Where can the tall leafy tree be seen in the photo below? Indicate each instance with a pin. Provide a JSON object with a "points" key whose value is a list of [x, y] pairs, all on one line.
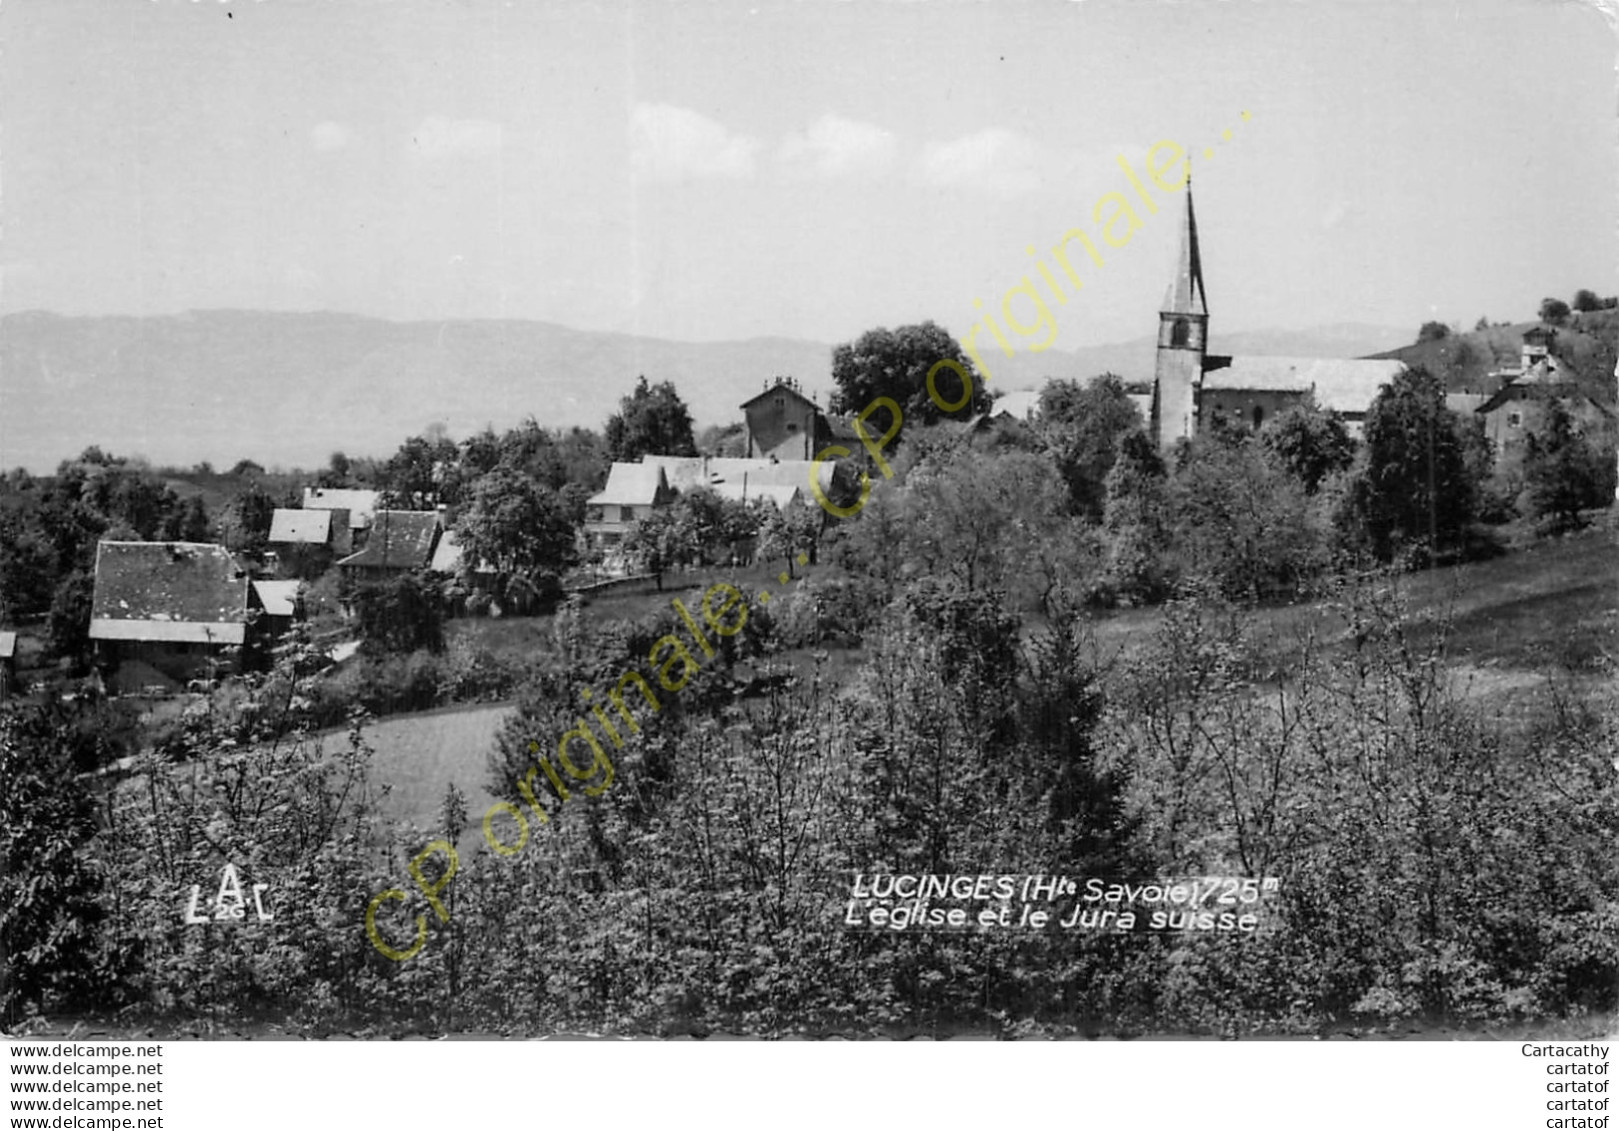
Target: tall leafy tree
{"points": [[895, 364], [1563, 471], [1417, 486], [517, 525], [652, 420], [1308, 443], [1082, 425]]}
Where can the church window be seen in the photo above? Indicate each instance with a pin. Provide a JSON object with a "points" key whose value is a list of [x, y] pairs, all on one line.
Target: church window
{"points": [[1259, 416], [1178, 332], [1514, 419]]}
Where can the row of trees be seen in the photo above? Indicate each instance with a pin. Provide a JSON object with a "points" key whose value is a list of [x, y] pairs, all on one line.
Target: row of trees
{"points": [[1433, 864]]}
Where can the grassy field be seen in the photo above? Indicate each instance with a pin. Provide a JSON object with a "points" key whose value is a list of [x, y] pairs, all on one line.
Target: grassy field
{"points": [[1549, 608], [419, 756]]}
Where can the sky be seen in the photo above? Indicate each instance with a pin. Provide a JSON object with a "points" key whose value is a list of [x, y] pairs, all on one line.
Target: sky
{"points": [[813, 169]]}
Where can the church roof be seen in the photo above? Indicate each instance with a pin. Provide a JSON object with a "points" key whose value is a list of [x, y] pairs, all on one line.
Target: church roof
{"points": [[1342, 385], [1185, 294]]}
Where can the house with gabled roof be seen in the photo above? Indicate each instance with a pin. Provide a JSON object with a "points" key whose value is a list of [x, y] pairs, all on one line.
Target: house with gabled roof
{"points": [[397, 542], [783, 423], [633, 491], [360, 507], [166, 612]]}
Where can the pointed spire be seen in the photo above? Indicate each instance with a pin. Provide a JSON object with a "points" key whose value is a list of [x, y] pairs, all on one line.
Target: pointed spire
{"points": [[1185, 294]]}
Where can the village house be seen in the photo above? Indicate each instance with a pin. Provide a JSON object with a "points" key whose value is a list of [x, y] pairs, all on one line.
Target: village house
{"points": [[281, 605], [633, 491], [396, 542], [167, 612], [360, 506], [1518, 409], [305, 542], [784, 424]]}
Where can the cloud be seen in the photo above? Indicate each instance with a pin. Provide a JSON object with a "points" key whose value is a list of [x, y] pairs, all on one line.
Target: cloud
{"points": [[671, 143], [995, 162], [837, 147], [328, 137], [439, 137]]}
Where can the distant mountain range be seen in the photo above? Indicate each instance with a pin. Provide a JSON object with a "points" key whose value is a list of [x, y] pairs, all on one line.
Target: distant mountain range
{"points": [[289, 389]]}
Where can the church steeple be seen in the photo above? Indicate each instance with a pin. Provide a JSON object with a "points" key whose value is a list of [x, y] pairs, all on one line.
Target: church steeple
{"points": [[1183, 324], [1185, 294]]}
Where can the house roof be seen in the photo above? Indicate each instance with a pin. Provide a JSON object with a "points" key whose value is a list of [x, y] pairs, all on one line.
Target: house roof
{"points": [[781, 388], [313, 527], [279, 598], [8, 645], [361, 505], [398, 540], [170, 591], [1343, 385], [631, 484], [687, 472], [447, 554], [781, 495], [1021, 405]]}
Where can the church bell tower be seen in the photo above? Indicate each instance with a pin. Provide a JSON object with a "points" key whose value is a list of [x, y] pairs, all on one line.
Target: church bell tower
{"points": [[1183, 324]]}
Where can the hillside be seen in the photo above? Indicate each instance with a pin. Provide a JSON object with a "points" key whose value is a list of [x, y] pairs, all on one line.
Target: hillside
{"points": [[287, 389], [1587, 343]]}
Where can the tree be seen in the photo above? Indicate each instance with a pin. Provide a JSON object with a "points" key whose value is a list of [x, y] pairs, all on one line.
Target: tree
{"points": [[190, 523], [786, 533], [1563, 471], [1082, 425], [1136, 521], [659, 543], [1433, 332], [422, 472], [1586, 301], [48, 910], [1416, 488], [246, 524], [895, 364], [1240, 520], [1308, 443], [1553, 311], [520, 527], [652, 420], [402, 614]]}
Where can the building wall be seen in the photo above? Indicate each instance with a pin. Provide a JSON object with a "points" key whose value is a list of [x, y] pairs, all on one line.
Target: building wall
{"points": [[783, 426], [1244, 408], [609, 523], [1179, 371]]}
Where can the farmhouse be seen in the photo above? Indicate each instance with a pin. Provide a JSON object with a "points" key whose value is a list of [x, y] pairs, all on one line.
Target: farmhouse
{"points": [[166, 612], [1193, 388], [396, 542], [1519, 408]]}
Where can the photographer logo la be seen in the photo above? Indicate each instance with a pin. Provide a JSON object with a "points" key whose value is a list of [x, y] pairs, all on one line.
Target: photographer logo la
{"points": [[230, 905]]}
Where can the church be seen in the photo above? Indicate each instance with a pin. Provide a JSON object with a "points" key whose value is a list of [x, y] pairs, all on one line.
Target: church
{"points": [[1193, 388]]}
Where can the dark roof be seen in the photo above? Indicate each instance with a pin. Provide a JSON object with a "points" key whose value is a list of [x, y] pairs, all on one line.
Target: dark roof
{"points": [[781, 387], [1185, 294], [176, 591], [398, 540]]}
